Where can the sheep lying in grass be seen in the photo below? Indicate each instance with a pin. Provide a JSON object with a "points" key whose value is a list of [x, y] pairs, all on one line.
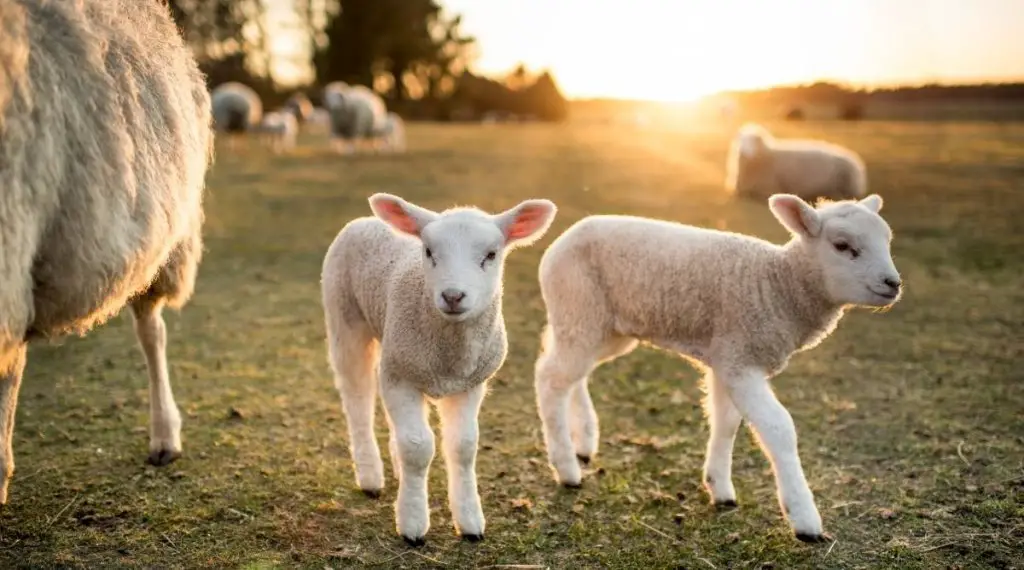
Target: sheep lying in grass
{"points": [[237, 109], [736, 306], [419, 302], [760, 165], [280, 129], [103, 158], [357, 114]]}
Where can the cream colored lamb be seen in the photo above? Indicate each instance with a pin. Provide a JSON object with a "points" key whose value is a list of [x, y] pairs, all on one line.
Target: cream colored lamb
{"points": [[760, 165], [415, 296], [736, 306]]}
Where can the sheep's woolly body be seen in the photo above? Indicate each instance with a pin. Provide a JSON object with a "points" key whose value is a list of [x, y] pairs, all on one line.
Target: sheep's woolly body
{"points": [[356, 111], [372, 275], [236, 107], [102, 162], [760, 165]]}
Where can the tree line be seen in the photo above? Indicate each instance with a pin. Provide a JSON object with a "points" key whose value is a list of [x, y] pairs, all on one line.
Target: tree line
{"points": [[412, 52]]}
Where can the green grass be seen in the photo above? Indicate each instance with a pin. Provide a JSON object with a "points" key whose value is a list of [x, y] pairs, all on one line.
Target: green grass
{"points": [[911, 422]]}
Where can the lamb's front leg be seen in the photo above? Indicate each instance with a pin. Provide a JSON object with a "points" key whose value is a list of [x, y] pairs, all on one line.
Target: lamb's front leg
{"points": [[584, 423], [459, 439], [776, 433], [407, 413], [164, 418], [724, 421]]}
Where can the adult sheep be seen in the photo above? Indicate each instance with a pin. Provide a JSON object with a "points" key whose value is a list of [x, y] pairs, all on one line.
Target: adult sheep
{"points": [[103, 158], [237, 109], [357, 114], [760, 165]]}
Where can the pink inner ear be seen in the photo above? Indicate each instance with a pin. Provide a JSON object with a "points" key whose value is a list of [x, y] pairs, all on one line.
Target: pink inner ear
{"points": [[395, 215], [528, 221]]}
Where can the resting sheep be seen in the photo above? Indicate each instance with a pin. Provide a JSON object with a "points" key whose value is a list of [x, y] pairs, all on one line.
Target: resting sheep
{"points": [[103, 158], [280, 129], [759, 165], [736, 306], [416, 297], [237, 109], [357, 114]]}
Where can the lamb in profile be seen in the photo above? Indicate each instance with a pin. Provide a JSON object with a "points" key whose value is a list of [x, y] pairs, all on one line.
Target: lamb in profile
{"points": [[237, 109], [416, 297], [357, 115], [736, 306], [760, 165], [103, 159], [280, 129]]}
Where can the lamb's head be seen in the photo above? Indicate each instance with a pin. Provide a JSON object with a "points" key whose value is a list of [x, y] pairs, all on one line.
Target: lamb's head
{"points": [[464, 249], [848, 243]]}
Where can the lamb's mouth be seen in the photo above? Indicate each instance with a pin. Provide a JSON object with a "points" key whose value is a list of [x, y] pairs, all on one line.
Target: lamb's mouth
{"points": [[889, 296]]}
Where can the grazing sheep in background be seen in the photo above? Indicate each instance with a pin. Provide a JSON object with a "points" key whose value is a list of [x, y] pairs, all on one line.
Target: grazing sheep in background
{"points": [[237, 109], [417, 298], [300, 106], [103, 158], [760, 165], [280, 129], [736, 306], [357, 114], [392, 134]]}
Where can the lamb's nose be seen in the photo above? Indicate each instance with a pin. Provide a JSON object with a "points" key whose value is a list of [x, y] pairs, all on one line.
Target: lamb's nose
{"points": [[894, 284], [452, 297]]}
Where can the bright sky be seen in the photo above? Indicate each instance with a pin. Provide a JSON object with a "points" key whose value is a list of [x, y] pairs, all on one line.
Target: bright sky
{"points": [[682, 49]]}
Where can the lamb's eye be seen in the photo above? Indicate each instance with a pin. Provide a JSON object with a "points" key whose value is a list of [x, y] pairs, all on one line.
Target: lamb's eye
{"points": [[429, 253], [841, 246], [491, 255]]}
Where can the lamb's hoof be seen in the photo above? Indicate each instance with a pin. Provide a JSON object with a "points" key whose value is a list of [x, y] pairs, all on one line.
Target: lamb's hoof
{"points": [[162, 457], [372, 493], [726, 505], [814, 538], [568, 485], [584, 459], [472, 537], [414, 542]]}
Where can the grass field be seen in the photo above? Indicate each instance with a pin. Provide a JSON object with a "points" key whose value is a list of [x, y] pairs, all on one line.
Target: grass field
{"points": [[911, 422]]}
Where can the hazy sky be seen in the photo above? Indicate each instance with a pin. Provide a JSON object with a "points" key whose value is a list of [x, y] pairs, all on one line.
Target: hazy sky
{"points": [[678, 49]]}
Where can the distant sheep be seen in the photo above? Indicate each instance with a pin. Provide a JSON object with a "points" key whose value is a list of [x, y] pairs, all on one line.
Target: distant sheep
{"points": [[357, 115], [760, 165], [300, 106], [392, 135], [237, 109], [415, 296], [103, 158], [736, 306], [280, 129]]}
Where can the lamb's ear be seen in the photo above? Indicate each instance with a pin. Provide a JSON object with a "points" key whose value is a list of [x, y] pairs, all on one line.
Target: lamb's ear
{"points": [[798, 216], [527, 222], [401, 215], [873, 203]]}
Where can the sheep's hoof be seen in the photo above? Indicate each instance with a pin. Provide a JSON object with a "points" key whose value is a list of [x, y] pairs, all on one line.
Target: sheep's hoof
{"points": [[725, 505], [584, 459], [814, 538], [472, 537], [414, 542], [162, 457], [372, 493]]}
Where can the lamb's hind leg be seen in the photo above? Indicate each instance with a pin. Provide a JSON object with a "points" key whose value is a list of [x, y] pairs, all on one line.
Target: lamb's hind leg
{"points": [[12, 366], [164, 418], [354, 354], [584, 425]]}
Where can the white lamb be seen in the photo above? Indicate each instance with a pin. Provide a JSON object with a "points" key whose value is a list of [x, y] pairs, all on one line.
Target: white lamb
{"points": [[103, 159], [357, 115], [417, 299], [736, 306], [760, 165], [280, 129], [237, 109]]}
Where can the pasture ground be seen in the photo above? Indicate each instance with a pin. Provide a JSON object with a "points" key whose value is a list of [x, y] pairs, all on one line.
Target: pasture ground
{"points": [[911, 422]]}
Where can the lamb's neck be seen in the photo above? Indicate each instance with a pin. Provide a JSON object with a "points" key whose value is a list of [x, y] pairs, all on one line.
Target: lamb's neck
{"points": [[800, 289]]}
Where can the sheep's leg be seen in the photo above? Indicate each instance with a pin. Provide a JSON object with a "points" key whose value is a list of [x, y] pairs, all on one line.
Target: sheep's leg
{"points": [[12, 366], [354, 355], [407, 410], [164, 418], [459, 438], [776, 433], [724, 421]]}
